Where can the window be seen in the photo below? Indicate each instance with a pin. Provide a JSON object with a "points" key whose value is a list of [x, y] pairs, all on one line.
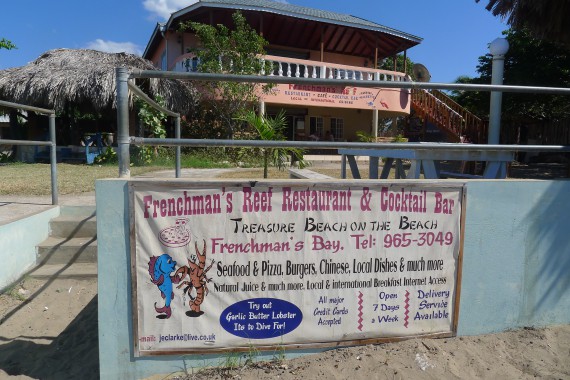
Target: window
{"points": [[192, 64], [316, 126], [337, 127]]}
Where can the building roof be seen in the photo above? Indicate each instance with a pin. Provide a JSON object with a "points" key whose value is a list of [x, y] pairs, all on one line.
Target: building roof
{"points": [[295, 11], [84, 77], [390, 41]]}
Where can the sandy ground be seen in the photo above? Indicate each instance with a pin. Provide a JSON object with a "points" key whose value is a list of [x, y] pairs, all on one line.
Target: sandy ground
{"points": [[48, 330], [522, 354]]}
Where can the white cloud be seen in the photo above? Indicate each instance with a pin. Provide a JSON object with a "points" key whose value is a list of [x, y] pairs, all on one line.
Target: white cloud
{"points": [[163, 8], [114, 47]]}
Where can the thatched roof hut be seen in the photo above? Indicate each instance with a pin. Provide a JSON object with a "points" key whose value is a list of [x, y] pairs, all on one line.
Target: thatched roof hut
{"points": [[84, 78]]}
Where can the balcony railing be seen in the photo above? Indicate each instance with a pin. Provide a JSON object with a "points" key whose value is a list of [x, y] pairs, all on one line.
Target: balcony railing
{"points": [[185, 63], [301, 68]]}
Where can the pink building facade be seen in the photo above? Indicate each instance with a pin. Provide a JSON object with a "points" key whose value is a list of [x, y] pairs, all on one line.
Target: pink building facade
{"points": [[309, 43]]}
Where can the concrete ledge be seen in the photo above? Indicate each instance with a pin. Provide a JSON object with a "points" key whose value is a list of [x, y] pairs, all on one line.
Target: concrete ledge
{"points": [[446, 174], [18, 241], [307, 174]]}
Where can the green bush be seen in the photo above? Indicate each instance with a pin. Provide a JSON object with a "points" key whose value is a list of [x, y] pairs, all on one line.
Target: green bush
{"points": [[109, 156]]}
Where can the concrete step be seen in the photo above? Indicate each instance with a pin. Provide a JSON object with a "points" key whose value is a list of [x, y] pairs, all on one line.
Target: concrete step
{"points": [[74, 226], [56, 250], [76, 271], [79, 211]]}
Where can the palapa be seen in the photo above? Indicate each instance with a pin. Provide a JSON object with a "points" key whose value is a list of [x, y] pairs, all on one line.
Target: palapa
{"points": [[86, 78]]}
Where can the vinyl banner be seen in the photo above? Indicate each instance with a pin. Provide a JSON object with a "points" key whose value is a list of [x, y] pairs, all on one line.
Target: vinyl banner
{"points": [[385, 99], [236, 264]]}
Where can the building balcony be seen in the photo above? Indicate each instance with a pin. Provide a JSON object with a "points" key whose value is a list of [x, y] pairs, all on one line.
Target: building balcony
{"points": [[386, 100]]}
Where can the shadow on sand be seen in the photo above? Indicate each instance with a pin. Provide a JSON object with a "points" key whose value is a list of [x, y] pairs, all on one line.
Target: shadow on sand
{"points": [[74, 354]]}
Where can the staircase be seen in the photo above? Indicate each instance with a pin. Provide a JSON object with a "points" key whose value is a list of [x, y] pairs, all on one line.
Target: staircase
{"points": [[453, 120], [71, 249]]}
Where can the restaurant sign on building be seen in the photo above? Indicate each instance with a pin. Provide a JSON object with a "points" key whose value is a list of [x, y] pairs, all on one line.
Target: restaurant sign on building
{"points": [[384, 99]]}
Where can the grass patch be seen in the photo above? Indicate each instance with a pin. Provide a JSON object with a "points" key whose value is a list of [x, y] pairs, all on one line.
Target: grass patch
{"points": [[17, 291], [210, 158], [200, 161], [35, 179]]}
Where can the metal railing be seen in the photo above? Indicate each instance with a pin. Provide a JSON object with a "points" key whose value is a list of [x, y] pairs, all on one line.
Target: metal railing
{"points": [[124, 140], [51, 143], [138, 92]]}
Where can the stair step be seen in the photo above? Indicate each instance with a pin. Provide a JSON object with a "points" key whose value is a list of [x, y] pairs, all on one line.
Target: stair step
{"points": [[76, 270], [77, 210], [56, 250], [74, 226]]}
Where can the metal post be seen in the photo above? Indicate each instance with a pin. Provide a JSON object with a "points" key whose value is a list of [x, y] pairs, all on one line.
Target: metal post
{"points": [[261, 108], [53, 160], [375, 123], [177, 133], [375, 112], [498, 48], [122, 75]]}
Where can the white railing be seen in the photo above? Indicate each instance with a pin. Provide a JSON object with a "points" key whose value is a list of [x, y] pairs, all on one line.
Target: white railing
{"points": [[301, 68], [183, 64]]}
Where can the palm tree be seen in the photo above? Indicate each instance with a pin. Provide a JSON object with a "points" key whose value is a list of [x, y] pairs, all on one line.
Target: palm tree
{"points": [[546, 19], [271, 129], [7, 44]]}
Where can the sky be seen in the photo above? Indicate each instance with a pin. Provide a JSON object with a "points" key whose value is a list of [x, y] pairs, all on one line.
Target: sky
{"points": [[455, 32]]}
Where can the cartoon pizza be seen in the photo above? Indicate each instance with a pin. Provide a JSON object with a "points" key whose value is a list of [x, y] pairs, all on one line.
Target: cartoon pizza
{"points": [[175, 236]]}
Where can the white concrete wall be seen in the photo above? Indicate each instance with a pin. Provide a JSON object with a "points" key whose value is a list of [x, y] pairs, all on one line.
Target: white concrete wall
{"points": [[515, 270], [18, 241]]}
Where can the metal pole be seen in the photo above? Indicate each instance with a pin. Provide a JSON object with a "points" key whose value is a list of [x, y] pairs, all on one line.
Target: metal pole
{"points": [[496, 101], [122, 76], [374, 123], [26, 108], [261, 110], [498, 48], [53, 160], [346, 82], [349, 145], [375, 112], [177, 133]]}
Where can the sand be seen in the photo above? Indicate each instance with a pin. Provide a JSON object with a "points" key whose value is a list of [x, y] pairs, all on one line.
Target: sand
{"points": [[522, 354], [48, 330]]}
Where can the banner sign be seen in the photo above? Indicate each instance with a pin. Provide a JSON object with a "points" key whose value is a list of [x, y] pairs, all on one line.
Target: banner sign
{"points": [[383, 99], [231, 264]]}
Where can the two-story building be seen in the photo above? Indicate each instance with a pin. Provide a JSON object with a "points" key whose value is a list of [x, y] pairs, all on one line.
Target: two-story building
{"points": [[304, 42]]}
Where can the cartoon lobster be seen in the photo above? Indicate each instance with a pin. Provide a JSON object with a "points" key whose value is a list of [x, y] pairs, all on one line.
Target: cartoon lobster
{"points": [[198, 280]]}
